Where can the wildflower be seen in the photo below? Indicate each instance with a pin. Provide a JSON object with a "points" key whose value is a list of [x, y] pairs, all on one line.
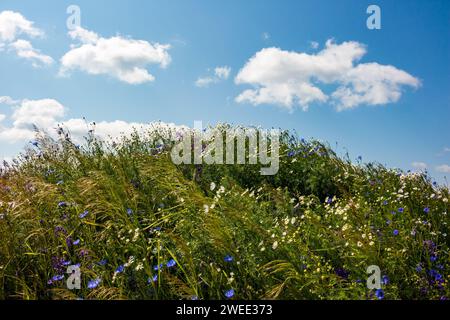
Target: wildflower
{"points": [[120, 269], [76, 242], [291, 154], [156, 268], [419, 268], [83, 253], [433, 258], [396, 232], [194, 298], [229, 294], [62, 204], [212, 186], [228, 258], [275, 245], [385, 202], [84, 214], [94, 283], [153, 279], [401, 210], [426, 210], [380, 294], [34, 143], [129, 211], [171, 263], [385, 280]]}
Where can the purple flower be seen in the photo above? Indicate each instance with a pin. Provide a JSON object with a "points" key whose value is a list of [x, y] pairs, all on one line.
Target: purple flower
{"points": [[433, 258], [401, 210], [426, 210], [395, 232], [94, 283], [76, 242], [62, 204], [380, 294], [83, 253], [84, 214], [385, 280], [229, 293]]}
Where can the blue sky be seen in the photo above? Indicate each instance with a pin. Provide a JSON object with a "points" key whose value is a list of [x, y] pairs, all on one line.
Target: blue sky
{"points": [[204, 35]]}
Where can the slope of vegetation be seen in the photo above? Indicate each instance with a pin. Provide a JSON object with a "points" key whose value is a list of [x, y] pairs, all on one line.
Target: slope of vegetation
{"points": [[140, 227]]}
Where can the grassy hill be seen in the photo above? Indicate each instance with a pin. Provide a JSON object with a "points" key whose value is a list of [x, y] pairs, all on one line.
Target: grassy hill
{"points": [[141, 227]]}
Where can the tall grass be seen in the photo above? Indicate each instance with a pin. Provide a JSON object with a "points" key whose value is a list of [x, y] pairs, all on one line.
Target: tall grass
{"points": [[141, 227]]}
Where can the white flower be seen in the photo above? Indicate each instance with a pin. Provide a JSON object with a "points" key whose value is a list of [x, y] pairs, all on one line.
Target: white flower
{"points": [[275, 245], [206, 208], [212, 186]]}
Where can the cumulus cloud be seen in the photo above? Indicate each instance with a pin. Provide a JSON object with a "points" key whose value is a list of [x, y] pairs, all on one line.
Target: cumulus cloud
{"points": [[421, 166], [25, 50], [289, 79], [13, 25], [121, 58], [220, 73], [48, 115], [443, 168]]}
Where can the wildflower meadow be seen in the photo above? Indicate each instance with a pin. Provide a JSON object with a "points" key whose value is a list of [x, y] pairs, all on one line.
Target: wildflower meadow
{"points": [[138, 226]]}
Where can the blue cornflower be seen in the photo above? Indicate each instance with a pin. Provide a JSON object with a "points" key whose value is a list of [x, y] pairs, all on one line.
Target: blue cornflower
{"points": [[171, 263], [120, 269], [401, 210], [426, 210], [385, 202], [433, 258], [57, 278], [291, 154], [76, 242], [228, 258], [103, 262], [380, 294], [94, 283], [66, 263], [385, 280], [156, 268], [153, 279], [229, 294], [84, 214], [62, 204], [129, 211], [419, 268], [396, 232]]}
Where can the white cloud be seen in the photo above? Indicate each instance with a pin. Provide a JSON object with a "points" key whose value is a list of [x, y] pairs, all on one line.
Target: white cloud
{"points": [[25, 50], [121, 58], [314, 45], [13, 24], [288, 78], [48, 114], [220, 73], [7, 100], [422, 166], [443, 168]]}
